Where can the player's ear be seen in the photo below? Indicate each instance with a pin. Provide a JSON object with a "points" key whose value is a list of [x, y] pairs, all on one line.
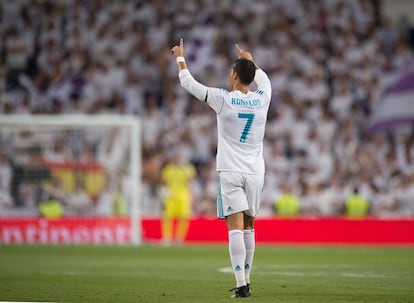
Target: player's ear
{"points": [[234, 75]]}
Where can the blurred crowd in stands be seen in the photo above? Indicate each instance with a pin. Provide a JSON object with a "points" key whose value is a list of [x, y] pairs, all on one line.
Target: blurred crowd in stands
{"points": [[325, 59]]}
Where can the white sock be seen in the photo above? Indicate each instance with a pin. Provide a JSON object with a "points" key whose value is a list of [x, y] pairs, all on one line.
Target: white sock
{"points": [[237, 252], [249, 243]]}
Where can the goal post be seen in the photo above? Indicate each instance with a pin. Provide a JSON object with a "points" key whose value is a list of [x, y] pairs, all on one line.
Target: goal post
{"points": [[105, 130]]}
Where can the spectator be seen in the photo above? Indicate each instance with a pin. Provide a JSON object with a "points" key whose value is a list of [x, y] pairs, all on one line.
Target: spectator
{"points": [[78, 202], [111, 201], [5, 182], [287, 204], [325, 62], [51, 209], [356, 205]]}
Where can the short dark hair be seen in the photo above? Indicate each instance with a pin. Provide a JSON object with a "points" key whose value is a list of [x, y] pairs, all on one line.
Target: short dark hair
{"points": [[245, 69]]}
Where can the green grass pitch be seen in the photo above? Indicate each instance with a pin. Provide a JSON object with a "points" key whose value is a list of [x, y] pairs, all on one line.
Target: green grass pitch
{"points": [[201, 274]]}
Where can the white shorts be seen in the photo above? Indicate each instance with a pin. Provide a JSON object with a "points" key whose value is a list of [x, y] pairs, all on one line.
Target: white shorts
{"points": [[238, 192]]}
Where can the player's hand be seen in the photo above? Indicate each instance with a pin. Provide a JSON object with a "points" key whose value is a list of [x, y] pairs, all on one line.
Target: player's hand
{"points": [[178, 50], [243, 53]]}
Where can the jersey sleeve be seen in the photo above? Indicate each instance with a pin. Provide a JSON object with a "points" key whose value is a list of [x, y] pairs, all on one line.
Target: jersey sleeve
{"points": [[213, 96], [263, 83]]}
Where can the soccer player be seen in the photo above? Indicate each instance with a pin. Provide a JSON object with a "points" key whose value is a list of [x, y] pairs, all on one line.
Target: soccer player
{"points": [[176, 175], [241, 119]]}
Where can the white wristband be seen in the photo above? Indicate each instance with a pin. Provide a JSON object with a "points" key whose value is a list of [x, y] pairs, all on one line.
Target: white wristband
{"points": [[180, 59]]}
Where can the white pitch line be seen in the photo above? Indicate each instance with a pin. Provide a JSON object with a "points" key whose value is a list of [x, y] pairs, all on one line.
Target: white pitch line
{"points": [[319, 273], [92, 274]]}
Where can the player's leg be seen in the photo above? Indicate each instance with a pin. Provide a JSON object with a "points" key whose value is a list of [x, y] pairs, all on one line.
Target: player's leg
{"points": [[167, 222], [237, 249], [183, 215], [254, 189], [167, 230], [231, 203], [182, 230], [250, 244]]}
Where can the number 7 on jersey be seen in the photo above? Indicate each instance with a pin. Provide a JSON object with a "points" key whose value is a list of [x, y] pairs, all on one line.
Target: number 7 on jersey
{"points": [[247, 126]]}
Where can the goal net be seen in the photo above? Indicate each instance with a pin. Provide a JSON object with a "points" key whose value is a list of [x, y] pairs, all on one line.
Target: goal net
{"points": [[78, 173]]}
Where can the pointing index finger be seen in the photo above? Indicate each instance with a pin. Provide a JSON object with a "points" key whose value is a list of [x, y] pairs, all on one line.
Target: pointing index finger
{"points": [[238, 48], [181, 43]]}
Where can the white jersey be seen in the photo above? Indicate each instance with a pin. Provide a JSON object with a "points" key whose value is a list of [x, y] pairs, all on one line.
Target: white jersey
{"points": [[241, 120]]}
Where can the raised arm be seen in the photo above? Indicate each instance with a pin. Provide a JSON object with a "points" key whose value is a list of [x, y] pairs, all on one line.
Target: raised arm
{"points": [[178, 52], [204, 93], [261, 78], [246, 55]]}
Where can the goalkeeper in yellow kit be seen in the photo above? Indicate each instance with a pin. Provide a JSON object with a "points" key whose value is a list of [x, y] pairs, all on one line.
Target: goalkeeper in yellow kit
{"points": [[176, 176]]}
